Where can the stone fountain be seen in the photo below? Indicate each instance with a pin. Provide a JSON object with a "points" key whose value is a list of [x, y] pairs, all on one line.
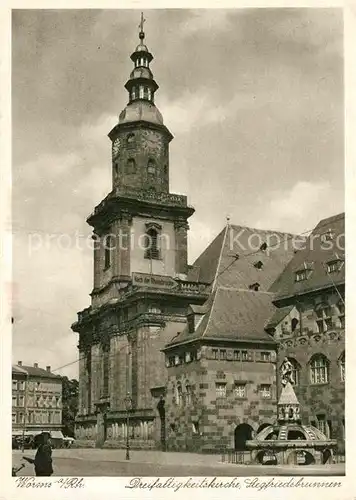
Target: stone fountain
{"points": [[288, 441]]}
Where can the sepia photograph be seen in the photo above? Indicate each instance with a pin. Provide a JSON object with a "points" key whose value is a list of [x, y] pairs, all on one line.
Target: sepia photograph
{"points": [[178, 239]]}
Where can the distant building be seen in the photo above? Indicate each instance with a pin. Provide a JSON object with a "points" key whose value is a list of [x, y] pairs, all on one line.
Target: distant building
{"points": [[36, 400]]}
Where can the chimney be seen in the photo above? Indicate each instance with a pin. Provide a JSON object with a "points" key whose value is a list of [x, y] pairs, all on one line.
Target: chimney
{"points": [[48, 368], [35, 365], [19, 363]]}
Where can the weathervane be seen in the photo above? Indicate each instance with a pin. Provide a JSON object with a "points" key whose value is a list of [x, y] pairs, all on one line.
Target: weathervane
{"points": [[142, 34]]}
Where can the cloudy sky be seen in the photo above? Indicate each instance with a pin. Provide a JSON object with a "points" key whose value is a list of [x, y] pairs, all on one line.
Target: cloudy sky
{"points": [[253, 97]]}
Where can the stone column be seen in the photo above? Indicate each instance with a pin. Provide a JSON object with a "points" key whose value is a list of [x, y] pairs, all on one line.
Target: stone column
{"points": [[181, 258], [116, 251], [96, 260]]}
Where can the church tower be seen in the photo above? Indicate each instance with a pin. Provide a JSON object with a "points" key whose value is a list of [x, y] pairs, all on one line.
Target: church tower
{"points": [[141, 293]]}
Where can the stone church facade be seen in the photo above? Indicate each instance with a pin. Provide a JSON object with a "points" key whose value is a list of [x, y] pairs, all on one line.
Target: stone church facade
{"points": [[191, 353]]}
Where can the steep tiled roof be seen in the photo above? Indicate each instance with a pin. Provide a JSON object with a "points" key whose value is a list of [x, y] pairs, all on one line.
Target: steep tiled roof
{"points": [[18, 370], [204, 268], [219, 259], [233, 314], [35, 372], [315, 254], [232, 263]]}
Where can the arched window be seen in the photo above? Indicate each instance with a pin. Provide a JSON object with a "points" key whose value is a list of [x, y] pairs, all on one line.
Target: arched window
{"points": [[149, 94], [151, 167], [141, 92], [131, 166], [319, 370], [133, 93], [342, 367], [152, 250], [294, 324]]}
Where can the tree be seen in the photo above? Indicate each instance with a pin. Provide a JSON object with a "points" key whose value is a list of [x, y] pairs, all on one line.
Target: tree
{"points": [[70, 395]]}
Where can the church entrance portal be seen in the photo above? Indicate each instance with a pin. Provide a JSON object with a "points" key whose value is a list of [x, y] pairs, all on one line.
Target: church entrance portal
{"points": [[243, 433]]}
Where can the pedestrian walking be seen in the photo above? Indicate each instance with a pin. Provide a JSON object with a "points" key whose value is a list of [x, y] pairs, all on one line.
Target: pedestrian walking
{"points": [[43, 458]]}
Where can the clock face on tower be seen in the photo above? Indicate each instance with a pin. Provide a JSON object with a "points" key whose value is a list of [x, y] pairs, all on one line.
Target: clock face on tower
{"points": [[116, 147]]}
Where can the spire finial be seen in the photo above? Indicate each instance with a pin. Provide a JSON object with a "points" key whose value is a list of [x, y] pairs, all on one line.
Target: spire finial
{"points": [[142, 33]]}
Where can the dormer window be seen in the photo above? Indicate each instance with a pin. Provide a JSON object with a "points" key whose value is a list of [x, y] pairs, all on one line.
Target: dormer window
{"points": [[263, 247], [328, 236], [258, 264], [303, 274], [334, 266], [255, 287]]}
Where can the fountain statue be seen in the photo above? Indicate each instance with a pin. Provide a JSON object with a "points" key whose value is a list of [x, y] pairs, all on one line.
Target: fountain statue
{"points": [[288, 440]]}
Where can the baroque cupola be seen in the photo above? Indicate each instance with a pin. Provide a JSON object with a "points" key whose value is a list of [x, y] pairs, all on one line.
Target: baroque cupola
{"points": [[141, 86], [140, 140]]}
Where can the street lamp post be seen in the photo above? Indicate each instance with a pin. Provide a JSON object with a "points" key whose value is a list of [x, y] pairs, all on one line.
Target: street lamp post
{"points": [[128, 404]]}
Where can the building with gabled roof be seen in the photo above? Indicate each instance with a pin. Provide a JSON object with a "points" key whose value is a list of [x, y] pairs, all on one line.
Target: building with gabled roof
{"points": [[221, 367]]}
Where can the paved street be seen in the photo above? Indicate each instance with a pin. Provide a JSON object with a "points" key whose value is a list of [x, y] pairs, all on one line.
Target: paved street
{"points": [[97, 462]]}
